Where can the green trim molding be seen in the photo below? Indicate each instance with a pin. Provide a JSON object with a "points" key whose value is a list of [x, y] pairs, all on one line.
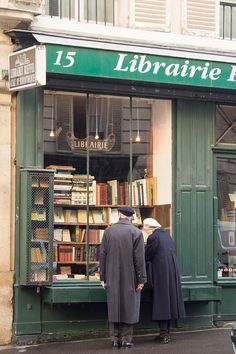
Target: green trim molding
{"points": [[68, 292], [202, 293], [91, 62], [90, 292]]}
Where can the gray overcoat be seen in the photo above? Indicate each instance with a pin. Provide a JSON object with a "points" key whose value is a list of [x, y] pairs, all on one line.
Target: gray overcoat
{"points": [[122, 267], [167, 293]]}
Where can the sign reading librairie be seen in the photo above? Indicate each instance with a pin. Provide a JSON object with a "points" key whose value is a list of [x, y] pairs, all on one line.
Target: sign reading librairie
{"points": [[27, 68], [122, 65]]}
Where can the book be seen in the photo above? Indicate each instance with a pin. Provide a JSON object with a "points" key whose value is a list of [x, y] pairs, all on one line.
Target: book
{"points": [[113, 215], [65, 253], [82, 216], [39, 197], [61, 167], [38, 275], [37, 255], [58, 214], [38, 214], [66, 235], [65, 270], [98, 216], [94, 236], [103, 194], [60, 276], [114, 191], [40, 234], [57, 235], [137, 219], [79, 276]]}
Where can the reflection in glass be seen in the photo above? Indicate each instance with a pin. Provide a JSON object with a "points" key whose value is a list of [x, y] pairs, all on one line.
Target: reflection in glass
{"points": [[225, 131], [226, 189]]}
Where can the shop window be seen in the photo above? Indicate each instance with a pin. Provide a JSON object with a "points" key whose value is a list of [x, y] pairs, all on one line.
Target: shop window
{"points": [[226, 228], [225, 125], [107, 151], [228, 20], [92, 11]]}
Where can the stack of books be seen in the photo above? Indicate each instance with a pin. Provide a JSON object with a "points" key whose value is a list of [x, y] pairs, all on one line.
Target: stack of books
{"points": [[83, 190], [62, 183]]}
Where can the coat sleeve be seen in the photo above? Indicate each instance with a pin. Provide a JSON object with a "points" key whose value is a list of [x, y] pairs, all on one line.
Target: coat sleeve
{"points": [[139, 259], [151, 247], [102, 258]]}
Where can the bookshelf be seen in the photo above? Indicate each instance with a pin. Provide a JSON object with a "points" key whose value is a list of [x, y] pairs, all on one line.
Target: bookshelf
{"points": [[79, 226], [35, 226]]}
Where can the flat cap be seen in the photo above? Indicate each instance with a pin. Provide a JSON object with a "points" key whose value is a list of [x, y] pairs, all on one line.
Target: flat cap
{"points": [[127, 211], [150, 222]]}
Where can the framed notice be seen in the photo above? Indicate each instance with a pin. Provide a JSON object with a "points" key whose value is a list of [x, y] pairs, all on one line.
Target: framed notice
{"points": [[27, 68]]}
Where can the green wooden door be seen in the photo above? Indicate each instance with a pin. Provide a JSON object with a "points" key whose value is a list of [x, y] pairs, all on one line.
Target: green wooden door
{"points": [[193, 197]]}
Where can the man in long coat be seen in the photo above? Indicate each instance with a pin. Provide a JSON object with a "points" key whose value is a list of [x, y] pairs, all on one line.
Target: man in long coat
{"points": [[122, 269], [167, 293]]}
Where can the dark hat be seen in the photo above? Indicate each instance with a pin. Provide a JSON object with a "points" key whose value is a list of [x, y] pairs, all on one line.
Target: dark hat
{"points": [[127, 211]]}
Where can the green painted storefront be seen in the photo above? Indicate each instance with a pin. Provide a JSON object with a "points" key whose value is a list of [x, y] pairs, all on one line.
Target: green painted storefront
{"points": [[69, 311]]}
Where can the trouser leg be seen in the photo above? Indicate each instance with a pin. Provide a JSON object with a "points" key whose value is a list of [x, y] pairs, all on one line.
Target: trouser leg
{"points": [[164, 326], [114, 331], [126, 332]]}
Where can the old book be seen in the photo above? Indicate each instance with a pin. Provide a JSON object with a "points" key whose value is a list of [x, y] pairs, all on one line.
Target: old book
{"points": [[113, 215], [66, 235], [93, 236], [65, 270], [59, 214], [73, 216], [103, 189], [39, 275], [82, 216], [39, 197], [114, 191], [98, 216], [57, 235], [40, 234]]}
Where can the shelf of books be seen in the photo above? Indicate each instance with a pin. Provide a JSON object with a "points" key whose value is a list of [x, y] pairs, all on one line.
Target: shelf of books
{"points": [[83, 208], [35, 225]]}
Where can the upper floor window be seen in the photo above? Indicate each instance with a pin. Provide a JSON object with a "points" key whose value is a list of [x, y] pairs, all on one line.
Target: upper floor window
{"points": [[228, 20], [92, 11]]}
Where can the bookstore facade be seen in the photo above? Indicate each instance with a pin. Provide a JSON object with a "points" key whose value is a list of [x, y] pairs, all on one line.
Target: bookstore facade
{"points": [[111, 127]]}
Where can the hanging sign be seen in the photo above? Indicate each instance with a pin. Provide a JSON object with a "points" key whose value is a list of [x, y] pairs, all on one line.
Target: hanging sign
{"points": [[27, 68], [91, 143], [113, 64]]}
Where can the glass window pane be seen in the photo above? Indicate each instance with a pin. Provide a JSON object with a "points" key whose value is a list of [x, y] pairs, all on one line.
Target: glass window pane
{"points": [[226, 192], [128, 163], [234, 22], [227, 22], [221, 21], [225, 130]]}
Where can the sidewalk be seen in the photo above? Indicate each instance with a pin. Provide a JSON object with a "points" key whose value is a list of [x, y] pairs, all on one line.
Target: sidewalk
{"points": [[212, 341]]}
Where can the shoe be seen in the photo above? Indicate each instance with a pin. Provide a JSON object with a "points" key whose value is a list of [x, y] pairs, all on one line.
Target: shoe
{"points": [[115, 344], [164, 338], [126, 344]]}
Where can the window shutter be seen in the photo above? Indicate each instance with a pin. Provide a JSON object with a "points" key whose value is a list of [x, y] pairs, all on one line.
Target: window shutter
{"points": [[151, 14], [200, 16]]}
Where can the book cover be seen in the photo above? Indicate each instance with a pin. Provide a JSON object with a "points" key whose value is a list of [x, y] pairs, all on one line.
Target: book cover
{"points": [[66, 235]]}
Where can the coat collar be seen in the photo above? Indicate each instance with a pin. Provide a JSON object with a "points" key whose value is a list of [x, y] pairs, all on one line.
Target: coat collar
{"points": [[124, 221]]}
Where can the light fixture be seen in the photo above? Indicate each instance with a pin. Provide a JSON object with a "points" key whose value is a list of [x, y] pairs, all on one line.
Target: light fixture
{"points": [[52, 134], [138, 139], [96, 122]]}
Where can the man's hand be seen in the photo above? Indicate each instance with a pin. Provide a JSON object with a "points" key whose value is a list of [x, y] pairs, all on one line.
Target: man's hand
{"points": [[139, 287], [104, 285]]}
